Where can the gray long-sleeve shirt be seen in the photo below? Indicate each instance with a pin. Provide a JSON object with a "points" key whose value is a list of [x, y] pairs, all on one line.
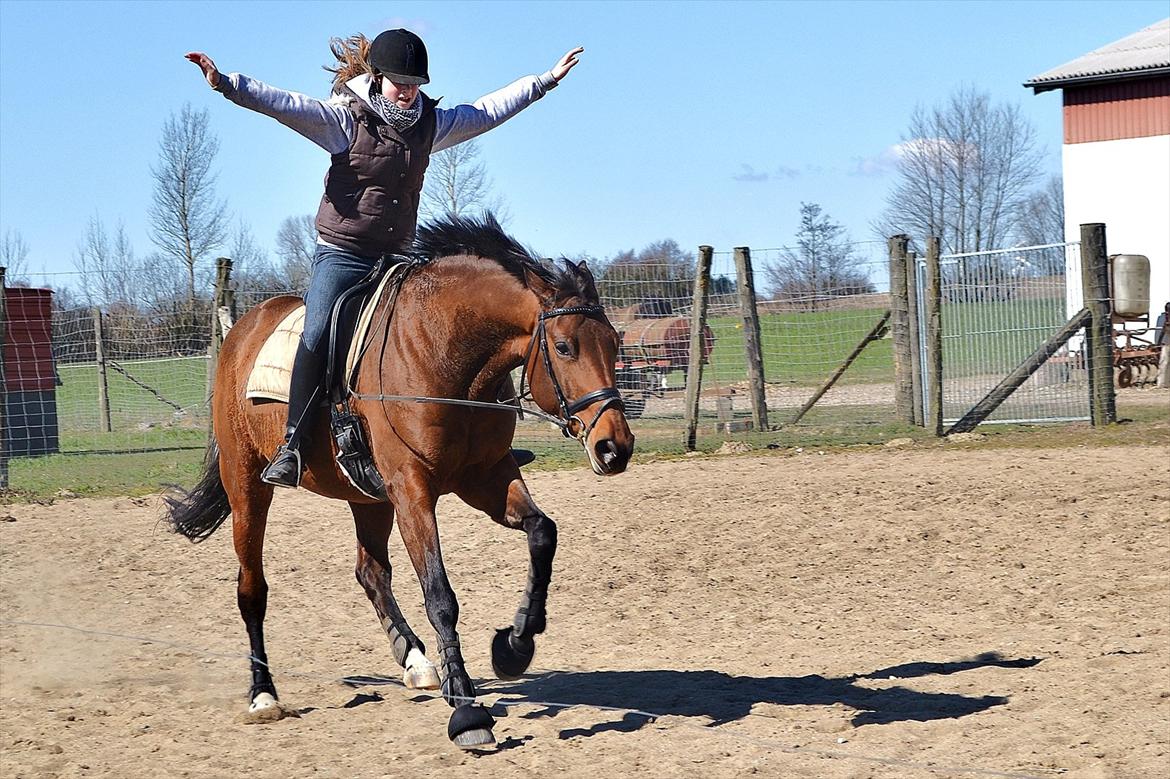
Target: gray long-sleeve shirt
{"points": [[329, 124]]}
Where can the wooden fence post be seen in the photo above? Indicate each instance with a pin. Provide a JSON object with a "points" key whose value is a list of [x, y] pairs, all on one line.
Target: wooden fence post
{"points": [[1099, 333], [751, 335], [900, 330], [3, 380], [933, 284], [915, 338], [695, 356], [99, 348], [223, 275]]}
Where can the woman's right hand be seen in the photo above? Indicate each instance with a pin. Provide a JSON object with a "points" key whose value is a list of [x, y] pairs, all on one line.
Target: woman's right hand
{"points": [[206, 65]]}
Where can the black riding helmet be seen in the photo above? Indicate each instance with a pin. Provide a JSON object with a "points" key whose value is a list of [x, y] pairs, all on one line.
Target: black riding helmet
{"points": [[400, 56]]}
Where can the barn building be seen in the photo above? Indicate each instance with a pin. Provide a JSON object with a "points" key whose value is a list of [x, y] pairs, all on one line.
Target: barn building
{"points": [[1116, 151]]}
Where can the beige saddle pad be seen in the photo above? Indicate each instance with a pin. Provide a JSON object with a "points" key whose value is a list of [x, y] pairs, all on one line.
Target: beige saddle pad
{"points": [[272, 370]]}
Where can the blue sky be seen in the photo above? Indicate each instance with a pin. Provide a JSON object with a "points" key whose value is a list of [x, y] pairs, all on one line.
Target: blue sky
{"points": [[702, 122]]}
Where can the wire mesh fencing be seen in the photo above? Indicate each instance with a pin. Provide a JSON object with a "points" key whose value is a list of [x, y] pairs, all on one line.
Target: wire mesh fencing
{"points": [[134, 377], [813, 317], [997, 308]]}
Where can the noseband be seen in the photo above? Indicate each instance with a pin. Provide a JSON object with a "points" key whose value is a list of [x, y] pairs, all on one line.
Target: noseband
{"points": [[609, 395]]}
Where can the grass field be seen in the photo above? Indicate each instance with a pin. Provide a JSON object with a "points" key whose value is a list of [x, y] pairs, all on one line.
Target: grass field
{"points": [[1145, 416], [180, 382], [805, 348]]}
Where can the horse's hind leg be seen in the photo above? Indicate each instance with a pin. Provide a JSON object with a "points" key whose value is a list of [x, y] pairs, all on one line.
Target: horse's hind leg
{"points": [[373, 523], [470, 725], [503, 496]]}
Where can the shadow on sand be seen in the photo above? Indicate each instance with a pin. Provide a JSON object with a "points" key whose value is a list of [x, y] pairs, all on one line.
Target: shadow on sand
{"points": [[725, 698]]}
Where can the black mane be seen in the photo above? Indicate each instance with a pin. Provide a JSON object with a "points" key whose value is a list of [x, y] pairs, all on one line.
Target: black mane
{"points": [[484, 237]]}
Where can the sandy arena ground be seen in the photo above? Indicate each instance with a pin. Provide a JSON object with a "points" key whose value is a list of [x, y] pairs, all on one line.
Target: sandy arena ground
{"points": [[932, 611]]}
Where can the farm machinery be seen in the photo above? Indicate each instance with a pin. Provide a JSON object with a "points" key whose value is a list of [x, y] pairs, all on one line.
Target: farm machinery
{"points": [[1137, 351], [654, 343]]}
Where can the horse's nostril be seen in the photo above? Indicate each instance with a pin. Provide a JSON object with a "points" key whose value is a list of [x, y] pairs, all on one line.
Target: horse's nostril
{"points": [[607, 451]]}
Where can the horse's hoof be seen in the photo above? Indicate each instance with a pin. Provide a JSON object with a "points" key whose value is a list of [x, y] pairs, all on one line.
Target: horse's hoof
{"points": [[420, 673], [511, 655], [263, 701], [265, 708], [470, 727]]}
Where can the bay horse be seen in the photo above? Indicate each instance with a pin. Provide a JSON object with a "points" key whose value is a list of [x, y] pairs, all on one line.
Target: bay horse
{"points": [[477, 308]]}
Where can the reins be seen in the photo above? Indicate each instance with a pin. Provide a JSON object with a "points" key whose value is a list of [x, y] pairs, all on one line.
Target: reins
{"points": [[567, 421]]}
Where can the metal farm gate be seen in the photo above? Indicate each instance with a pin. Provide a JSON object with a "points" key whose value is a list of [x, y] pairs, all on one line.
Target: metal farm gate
{"points": [[997, 307]]}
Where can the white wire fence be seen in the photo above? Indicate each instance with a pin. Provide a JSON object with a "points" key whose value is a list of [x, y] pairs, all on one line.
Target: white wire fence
{"points": [[997, 307]]}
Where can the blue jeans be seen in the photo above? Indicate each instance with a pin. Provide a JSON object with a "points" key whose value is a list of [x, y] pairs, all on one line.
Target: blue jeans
{"points": [[333, 272]]}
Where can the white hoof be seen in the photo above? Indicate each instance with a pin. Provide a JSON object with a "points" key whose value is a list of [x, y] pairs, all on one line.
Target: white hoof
{"points": [[262, 701], [475, 739], [420, 673], [265, 709]]}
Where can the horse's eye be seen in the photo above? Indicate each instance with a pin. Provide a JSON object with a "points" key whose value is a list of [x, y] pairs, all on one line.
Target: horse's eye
{"points": [[563, 349]]}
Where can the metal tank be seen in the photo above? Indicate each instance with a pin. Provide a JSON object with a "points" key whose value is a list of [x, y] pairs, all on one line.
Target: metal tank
{"points": [[1131, 285]]}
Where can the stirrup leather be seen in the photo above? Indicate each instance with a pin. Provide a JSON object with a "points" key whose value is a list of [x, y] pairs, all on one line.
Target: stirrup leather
{"points": [[353, 454]]}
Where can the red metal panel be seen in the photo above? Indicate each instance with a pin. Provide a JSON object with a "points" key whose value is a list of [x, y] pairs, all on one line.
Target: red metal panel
{"points": [[1110, 112], [28, 351]]}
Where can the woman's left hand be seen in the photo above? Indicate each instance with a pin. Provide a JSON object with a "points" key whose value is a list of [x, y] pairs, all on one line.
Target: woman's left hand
{"points": [[566, 63]]}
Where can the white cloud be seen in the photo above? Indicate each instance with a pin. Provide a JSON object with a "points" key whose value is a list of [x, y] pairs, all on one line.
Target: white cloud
{"points": [[880, 164], [749, 174]]}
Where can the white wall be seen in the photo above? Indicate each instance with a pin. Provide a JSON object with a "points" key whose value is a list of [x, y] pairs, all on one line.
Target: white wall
{"points": [[1126, 185]]}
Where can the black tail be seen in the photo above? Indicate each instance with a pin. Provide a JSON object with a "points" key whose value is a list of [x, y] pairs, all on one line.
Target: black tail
{"points": [[198, 513]]}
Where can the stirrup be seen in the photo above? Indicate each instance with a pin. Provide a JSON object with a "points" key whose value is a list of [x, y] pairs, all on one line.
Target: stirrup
{"points": [[277, 472], [353, 454]]}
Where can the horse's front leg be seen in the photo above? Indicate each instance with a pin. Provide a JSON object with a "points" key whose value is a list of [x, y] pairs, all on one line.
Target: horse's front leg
{"points": [[250, 500], [373, 523], [503, 496], [470, 725]]}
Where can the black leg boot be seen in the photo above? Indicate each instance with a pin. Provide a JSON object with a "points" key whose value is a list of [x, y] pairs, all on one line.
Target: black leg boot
{"points": [[304, 393]]}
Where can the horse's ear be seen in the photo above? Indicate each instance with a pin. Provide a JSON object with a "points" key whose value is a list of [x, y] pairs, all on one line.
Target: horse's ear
{"points": [[541, 288], [585, 276]]}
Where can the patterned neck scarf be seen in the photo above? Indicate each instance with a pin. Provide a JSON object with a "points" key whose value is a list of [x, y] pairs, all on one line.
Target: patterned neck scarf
{"points": [[401, 119]]}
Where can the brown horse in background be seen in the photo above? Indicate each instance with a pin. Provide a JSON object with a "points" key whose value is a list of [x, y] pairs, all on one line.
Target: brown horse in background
{"points": [[480, 307]]}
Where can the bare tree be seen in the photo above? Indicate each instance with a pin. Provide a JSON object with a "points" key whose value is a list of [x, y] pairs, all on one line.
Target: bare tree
{"points": [[187, 222], [965, 168], [822, 264], [109, 274], [457, 183], [296, 243], [661, 274], [244, 251], [14, 257], [1042, 215]]}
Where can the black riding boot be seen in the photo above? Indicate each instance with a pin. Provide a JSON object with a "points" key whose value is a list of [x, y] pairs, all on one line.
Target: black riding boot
{"points": [[304, 393]]}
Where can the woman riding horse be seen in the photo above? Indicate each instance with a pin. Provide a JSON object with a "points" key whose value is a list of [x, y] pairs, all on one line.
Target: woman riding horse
{"points": [[381, 131], [459, 325]]}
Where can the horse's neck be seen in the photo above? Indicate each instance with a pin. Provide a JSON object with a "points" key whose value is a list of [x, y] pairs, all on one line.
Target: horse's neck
{"points": [[463, 326]]}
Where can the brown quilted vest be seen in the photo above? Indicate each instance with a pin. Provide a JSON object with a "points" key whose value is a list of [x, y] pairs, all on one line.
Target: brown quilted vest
{"points": [[372, 190]]}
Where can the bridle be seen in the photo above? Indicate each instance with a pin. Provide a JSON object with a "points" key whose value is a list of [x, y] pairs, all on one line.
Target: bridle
{"points": [[569, 420]]}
